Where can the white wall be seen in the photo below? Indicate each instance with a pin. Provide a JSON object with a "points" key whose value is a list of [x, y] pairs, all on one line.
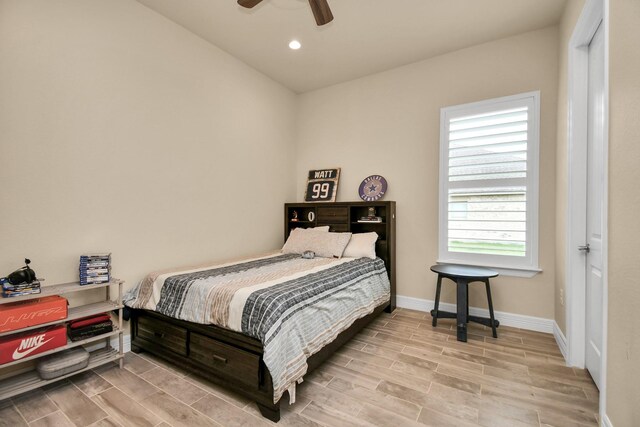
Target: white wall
{"points": [[388, 124], [623, 351], [122, 131]]}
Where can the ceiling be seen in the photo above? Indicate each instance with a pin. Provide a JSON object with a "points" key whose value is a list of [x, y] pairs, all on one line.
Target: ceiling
{"points": [[366, 36]]}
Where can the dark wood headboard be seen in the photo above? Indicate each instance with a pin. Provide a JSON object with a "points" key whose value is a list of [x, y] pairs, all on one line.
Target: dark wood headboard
{"points": [[344, 216]]}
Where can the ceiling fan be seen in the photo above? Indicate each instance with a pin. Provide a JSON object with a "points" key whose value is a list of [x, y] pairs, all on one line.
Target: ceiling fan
{"points": [[320, 9]]}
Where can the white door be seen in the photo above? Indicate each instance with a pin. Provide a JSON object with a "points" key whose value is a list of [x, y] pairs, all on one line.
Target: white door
{"points": [[595, 194]]}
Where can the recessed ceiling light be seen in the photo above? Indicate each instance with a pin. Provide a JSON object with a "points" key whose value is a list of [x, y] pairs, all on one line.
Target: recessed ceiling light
{"points": [[294, 44]]}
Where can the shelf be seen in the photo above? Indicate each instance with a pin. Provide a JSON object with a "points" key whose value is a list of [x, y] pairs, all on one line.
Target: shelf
{"points": [[74, 313], [302, 222], [63, 288], [376, 223], [20, 376], [31, 380], [70, 344]]}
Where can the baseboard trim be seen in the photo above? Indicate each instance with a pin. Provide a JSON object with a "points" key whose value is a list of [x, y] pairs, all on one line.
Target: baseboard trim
{"points": [[561, 340], [606, 422], [521, 321]]}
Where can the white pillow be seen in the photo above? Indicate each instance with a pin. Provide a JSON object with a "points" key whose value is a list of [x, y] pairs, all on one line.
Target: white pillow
{"points": [[361, 245], [324, 228], [326, 245]]}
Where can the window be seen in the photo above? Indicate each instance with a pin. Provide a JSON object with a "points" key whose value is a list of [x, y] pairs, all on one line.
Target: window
{"points": [[489, 183]]}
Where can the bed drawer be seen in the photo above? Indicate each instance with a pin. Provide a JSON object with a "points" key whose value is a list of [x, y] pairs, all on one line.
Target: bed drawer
{"points": [[332, 215], [162, 333], [226, 360]]}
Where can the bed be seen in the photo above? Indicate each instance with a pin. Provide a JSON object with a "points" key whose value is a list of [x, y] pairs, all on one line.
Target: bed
{"points": [[257, 326]]}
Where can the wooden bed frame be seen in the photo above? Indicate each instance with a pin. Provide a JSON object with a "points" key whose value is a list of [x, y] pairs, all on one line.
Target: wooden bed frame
{"points": [[234, 360]]}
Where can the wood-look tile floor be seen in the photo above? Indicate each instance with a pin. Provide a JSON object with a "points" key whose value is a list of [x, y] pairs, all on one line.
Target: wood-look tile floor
{"points": [[397, 372]]}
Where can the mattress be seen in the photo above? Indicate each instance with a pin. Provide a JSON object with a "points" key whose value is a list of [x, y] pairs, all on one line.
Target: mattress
{"points": [[294, 306]]}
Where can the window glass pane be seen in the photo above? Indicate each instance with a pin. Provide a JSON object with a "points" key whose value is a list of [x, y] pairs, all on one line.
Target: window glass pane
{"points": [[496, 157], [489, 146], [489, 168], [488, 221]]}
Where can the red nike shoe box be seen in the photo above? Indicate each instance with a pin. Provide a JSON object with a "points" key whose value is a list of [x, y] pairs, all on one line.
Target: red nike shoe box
{"points": [[23, 314], [25, 344]]}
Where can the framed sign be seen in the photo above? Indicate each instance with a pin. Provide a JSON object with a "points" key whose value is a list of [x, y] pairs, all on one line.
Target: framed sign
{"points": [[322, 185]]}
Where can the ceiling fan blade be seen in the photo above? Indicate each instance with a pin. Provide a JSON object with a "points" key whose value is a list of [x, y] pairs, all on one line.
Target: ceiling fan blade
{"points": [[248, 3], [321, 11]]}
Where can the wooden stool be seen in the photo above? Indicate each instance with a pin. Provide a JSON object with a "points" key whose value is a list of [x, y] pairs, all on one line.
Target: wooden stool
{"points": [[463, 275]]}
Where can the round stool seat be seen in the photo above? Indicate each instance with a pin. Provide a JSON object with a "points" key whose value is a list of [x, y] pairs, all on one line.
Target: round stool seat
{"points": [[465, 271]]}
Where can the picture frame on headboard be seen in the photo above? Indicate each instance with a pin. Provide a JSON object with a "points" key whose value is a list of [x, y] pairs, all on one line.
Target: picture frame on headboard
{"points": [[322, 185]]}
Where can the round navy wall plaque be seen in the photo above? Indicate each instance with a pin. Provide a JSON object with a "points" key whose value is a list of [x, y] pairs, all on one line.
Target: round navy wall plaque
{"points": [[372, 188]]}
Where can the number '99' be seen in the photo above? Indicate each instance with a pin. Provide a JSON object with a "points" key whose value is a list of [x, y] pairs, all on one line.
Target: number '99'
{"points": [[320, 190]]}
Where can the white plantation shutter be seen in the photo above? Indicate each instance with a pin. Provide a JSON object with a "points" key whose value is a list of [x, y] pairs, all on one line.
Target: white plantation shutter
{"points": [[488, 174]]}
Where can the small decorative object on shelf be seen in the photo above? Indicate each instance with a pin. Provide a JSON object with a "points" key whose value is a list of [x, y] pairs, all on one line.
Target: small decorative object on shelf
{"points": [[294, 216], [95, 268], [371, 216], [372, 188], [21, 282], [322, 185]]}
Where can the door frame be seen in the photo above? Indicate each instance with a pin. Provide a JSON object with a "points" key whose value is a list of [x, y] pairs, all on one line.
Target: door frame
{"points": [[593, 13]]}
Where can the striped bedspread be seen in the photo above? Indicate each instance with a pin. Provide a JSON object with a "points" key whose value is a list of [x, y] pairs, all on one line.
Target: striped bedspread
{"points": [[294, 306]]}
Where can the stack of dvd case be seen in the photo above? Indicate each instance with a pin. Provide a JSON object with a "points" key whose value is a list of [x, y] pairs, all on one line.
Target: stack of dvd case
{"points": [[370, 219], [9, 290], [95, 268]]}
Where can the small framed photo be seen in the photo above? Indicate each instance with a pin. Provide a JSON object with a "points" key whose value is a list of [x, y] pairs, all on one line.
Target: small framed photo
{"points": [[322, 185]]}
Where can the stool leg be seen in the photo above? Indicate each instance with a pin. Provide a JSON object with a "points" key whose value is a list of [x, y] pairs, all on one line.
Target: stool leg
{"points": [[434, 312], [462, 303], [493, 319], [467, 303]]}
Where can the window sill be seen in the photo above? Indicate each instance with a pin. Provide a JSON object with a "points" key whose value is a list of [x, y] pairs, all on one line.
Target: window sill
{"points": [[527, 272]]}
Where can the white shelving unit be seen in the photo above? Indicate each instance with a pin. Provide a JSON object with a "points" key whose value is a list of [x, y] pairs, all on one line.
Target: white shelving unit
{"points": [[17, 381]]}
